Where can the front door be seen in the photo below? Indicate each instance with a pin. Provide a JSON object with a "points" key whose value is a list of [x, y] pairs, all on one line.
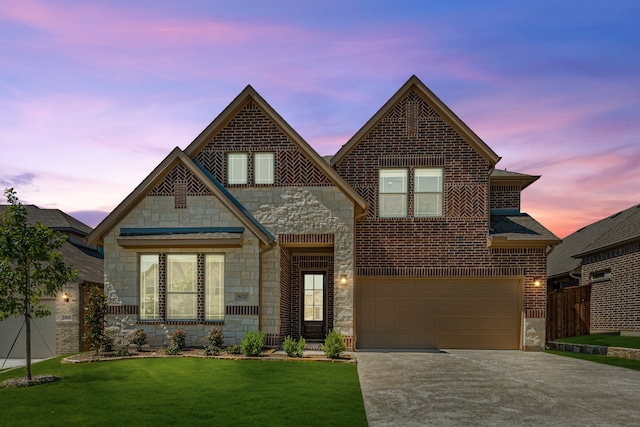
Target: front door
{"points": [[314, 313]]}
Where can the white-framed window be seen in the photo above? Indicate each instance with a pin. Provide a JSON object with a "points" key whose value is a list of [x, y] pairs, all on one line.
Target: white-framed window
{"points": [[214, 286], [237, 166], [263, 168], [184, 290], [182, 287], [392, 201], [427, 192], [149, 284]]}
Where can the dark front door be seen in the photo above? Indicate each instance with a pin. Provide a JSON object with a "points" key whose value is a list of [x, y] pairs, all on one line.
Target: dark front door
{"points": [[314, 306]]}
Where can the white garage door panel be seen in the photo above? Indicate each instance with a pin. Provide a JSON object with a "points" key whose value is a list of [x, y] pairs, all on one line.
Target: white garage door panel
{"points": [[420, 313], [43, 337]]}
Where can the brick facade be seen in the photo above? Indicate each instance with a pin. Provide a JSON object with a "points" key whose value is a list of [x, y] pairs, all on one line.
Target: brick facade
{"points": [[615, 301]]}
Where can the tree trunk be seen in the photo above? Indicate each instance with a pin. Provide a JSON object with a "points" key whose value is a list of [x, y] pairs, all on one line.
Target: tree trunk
{"points": [[27, 318]]}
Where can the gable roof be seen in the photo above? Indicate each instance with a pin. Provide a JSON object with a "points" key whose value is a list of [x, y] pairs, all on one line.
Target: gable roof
{"points": [[175, 157], [615, 230], [249, 93], [415, 84], [504, 177]]}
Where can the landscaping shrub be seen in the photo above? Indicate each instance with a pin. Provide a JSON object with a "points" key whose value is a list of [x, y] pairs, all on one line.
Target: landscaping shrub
{"points": [[96, 313], [122, 352], [178, 342], [108, 341], [333, 345], [139, 338], [253, 343], [293, 348], [215, 339], [234, 349]]}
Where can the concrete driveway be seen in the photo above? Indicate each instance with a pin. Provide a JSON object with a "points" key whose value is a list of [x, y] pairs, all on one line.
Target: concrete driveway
{"points": [[495, 388]]}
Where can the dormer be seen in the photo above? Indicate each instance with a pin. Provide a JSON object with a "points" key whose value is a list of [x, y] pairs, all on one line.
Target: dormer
{"points": [[505, 188]]}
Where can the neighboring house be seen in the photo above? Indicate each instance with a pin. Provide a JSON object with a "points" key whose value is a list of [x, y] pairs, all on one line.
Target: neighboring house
{"points": [[606, 255], [61, 332], [407, 238]]}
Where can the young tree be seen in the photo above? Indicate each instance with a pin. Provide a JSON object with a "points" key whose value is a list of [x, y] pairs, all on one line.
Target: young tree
{"points": [[96, 312], [31, 267]]}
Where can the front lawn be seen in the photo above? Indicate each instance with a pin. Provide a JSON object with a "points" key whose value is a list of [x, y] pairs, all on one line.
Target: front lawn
{"points": [[184, 391], [608, 340]]}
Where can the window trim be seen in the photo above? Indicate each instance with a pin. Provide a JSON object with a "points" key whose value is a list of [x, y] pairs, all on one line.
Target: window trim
{"points": [[405, 193], [603, 275], [257, 169], [244, 169], [162, 293], [417, 193]]}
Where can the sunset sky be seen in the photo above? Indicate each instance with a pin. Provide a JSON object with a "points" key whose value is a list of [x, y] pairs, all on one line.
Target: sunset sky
{"points": [[93, 95]]}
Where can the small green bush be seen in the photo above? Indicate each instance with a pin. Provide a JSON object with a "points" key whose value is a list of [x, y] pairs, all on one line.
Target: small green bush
{"points": [[253, 343], [122, 352], [293, 348], [333, 345], [172, 350], [212, 350], [234, 349], [139, 338]]}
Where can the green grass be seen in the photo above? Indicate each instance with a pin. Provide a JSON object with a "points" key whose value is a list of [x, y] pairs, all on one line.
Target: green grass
{"points": [[613, 361], [604, 339], [183, 391]]}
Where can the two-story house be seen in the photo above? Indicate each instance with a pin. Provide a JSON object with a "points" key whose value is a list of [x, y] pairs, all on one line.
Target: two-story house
{"points": [[408, 238]]}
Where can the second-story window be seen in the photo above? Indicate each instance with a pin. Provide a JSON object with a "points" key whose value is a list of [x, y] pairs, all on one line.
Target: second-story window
{"points": [[237, 166], [393, 186], [427, 192], [263, 168]]}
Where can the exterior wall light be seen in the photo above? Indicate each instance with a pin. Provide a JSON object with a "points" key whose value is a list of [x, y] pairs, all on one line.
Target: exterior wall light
{"points": [[537, 281], [343, 279], [65, 297]]}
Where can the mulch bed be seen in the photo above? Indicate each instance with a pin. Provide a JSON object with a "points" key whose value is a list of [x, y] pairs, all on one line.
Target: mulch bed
{"points": [[21, 382], [268, 354]]}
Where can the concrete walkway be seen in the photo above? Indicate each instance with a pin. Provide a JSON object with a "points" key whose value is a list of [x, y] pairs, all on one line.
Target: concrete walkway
{"points": [[495, 388]]}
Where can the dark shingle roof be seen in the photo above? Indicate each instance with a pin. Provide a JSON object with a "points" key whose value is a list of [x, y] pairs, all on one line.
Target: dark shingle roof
{"points": [[53, 218], [87, 260], [607, 232], [520, 227]]}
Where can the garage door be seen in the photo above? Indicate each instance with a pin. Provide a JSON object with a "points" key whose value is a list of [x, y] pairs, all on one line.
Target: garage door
{"points": [[424, 313], [43, 337]]}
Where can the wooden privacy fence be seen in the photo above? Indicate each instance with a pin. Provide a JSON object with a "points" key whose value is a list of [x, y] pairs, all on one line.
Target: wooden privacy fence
{"points": [[568, 312]]}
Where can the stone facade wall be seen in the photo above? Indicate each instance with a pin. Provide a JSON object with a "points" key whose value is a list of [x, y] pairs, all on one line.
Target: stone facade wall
{"points": [[305, 210], [615, 303], [67, 318], [242, 269]]}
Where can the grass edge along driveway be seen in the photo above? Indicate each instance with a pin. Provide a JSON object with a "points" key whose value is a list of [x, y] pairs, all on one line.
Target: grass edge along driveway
{"points": [[185, 391], [609, 340]]}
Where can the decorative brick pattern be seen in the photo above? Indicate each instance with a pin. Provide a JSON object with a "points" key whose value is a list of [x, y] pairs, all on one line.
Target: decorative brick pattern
{"points": [[454, 245], [305, 238], [285, 293], [123, 309], [181, 175], [242, 310], [251, 131], [304, 263]]}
